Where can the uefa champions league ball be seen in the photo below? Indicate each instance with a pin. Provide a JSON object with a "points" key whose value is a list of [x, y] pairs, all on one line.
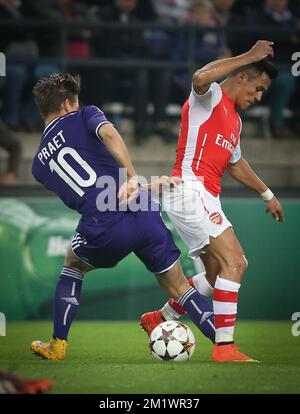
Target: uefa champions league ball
{"points": [[172, 341]]}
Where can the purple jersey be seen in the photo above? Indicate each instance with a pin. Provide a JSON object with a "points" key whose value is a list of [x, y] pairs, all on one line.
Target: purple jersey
{"points": [[71, 158]]}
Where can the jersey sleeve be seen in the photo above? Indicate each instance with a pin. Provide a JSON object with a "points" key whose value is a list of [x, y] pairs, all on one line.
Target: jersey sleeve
{"points": [[210, 98], [93, 118], [236, 154]]}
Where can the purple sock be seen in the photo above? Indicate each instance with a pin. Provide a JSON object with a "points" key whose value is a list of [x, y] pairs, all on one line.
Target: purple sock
{"points": [[66, 302], [200, 311]]}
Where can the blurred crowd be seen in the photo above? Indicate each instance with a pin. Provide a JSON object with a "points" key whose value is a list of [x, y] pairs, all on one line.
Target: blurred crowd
{"points": [[34, 52]]}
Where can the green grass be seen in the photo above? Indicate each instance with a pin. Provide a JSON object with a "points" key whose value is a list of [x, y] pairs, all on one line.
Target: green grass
{"points": [[112, 357]]}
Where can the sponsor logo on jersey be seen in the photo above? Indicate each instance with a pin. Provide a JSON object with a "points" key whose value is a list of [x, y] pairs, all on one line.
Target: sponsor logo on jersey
{"points": [[216, 218]]}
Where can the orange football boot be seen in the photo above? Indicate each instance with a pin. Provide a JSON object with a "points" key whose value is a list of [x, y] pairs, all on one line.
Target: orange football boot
{"points": [[229, 353], [13, 384], [150, 320]]}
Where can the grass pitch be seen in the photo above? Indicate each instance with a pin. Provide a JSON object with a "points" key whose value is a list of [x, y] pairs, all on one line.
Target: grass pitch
{"points": [[112, 357]]}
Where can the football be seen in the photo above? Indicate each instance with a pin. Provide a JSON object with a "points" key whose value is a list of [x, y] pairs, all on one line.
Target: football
{"points": [[172, 341]]}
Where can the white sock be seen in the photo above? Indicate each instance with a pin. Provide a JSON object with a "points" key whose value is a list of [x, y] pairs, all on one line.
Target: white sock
{"points": [[202, 285], [169, 313]]}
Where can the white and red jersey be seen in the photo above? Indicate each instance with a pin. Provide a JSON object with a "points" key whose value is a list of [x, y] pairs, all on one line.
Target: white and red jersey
{"points": [[209, 138]]}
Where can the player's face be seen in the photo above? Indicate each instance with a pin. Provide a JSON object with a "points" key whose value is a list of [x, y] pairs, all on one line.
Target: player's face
{"points": [[251, 90]]}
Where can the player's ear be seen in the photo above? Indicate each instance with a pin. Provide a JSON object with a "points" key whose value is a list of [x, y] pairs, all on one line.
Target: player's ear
{"points": [[242, 77], [65, 105]]}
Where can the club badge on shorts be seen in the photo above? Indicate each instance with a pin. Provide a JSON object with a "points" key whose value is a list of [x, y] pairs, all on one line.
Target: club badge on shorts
{"points": [[216, 218]]}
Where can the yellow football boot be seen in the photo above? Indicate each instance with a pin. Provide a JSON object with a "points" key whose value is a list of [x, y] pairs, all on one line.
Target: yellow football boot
{"points": [[54, 349]]}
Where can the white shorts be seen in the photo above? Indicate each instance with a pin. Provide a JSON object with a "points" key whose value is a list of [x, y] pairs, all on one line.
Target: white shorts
{"points": [[196, 215]]}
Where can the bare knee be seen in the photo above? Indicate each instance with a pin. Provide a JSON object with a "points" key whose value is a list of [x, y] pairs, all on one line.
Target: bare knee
{"points": [[246, 262], [238, 265], [72, 261], [235, 266]]}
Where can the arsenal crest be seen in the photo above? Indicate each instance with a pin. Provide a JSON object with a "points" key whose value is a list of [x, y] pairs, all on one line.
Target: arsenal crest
{"points": [[216, 218]]}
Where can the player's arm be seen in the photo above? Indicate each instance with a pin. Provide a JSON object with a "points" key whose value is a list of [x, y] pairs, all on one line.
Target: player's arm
{"points": [[214, 71], [243, 173], [163, 183], [117, 147]]}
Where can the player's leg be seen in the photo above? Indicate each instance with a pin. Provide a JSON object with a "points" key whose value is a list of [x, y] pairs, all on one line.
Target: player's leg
{"points": [[229, 253], [197, 306], [212, 269], [185, 209], [66, 305], [203, 282], [103, 249], [160, 255], [67, 294]]}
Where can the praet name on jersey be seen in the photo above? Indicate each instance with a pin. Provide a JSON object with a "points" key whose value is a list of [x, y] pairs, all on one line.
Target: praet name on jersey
{"points": [[51, 147]]}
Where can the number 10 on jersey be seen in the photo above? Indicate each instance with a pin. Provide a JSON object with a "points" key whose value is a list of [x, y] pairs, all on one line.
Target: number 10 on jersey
{"points": [[67, 172]]}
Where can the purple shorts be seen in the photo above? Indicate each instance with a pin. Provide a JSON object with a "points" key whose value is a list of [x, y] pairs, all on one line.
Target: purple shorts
{"points": [[116, 235]]}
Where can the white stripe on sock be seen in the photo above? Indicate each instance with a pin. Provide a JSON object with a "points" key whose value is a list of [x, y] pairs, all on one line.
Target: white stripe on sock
{"points": [[226, 329], [196, 307], [224, 308], [229, 285], [66, 314], [74, 277], [73, 289], [72, 271], [185, 296], [224, 334], [211, 324]]}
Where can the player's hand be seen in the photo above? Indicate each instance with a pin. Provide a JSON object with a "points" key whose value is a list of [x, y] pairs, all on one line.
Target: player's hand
{"points": [[129, 190], [261, 50], [165, 183], [274, 207]]}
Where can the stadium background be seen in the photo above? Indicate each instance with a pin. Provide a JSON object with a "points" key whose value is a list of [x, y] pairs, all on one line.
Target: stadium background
{"points": [[116, 59]]}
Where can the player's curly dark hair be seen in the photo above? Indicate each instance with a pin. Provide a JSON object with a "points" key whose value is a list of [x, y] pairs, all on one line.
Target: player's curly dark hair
{"points": [[51, 91]]}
